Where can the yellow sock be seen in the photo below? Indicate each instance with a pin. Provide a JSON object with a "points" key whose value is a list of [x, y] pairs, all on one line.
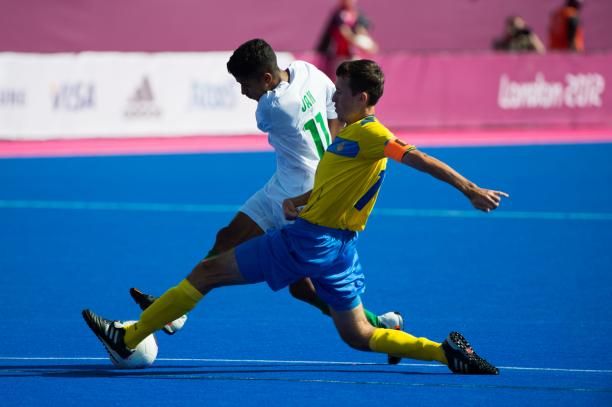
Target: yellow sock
{"points": [[403, 344], [175, 302]]}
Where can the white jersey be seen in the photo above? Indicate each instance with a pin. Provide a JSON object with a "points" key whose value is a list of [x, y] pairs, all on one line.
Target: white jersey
{"points": [[294, 114]]}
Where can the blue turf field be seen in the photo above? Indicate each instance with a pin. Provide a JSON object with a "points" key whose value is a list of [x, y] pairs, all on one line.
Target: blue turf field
{"points": [[528, 285]]}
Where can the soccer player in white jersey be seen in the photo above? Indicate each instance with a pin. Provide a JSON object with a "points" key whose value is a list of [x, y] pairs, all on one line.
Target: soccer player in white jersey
{"points": [[295, 108]]}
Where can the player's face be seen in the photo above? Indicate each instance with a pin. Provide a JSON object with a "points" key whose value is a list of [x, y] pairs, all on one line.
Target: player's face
{"points": [[253, 88], [348, 106]]}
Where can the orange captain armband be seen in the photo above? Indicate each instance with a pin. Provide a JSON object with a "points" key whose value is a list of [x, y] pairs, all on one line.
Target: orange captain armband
{"points": [[396, 148]]}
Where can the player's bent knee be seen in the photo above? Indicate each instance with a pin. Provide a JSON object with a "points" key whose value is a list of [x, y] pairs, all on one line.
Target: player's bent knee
{"points": [[219, 271], [199, 277], [356, 343], [356, 339]]}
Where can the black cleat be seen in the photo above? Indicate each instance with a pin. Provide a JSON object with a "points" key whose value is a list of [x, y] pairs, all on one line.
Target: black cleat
{"points": [[392, 320], [462, 358], [111, 333], [393, 360], [144, 301]]}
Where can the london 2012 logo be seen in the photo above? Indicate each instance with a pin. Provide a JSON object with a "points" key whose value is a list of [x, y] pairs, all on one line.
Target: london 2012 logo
{"points": [[141, 103], [579, 90]]}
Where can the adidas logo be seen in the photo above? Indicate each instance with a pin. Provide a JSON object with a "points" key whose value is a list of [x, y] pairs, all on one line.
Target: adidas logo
{"points": [[142, 102]]}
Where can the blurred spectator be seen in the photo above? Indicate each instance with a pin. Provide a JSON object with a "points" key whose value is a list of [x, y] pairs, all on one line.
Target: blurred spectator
{"points": [[565, 30], [345, 37], [518, 37]]}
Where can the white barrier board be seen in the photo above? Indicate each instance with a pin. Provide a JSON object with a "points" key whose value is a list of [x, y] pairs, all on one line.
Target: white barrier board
{"points": [[106, 94]]}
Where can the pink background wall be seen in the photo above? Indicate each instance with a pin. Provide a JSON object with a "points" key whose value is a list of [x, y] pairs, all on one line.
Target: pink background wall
{"points": [[431, 89], [463, 90], [202, 25]]}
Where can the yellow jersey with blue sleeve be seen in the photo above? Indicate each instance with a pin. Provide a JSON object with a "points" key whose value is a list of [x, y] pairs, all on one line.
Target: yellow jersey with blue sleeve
{"points": [[350, 174]]}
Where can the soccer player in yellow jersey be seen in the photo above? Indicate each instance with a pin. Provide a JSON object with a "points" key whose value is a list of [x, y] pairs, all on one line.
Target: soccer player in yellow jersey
{"points": [[295, 108], [321, 243]]}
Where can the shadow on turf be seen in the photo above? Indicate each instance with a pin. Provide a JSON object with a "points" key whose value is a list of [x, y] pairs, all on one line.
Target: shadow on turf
{"points": [[235, 373], [178, 372]]}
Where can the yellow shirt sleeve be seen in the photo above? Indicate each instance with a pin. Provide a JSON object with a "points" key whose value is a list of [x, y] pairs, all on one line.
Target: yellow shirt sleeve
{"points": [[374, 138]]}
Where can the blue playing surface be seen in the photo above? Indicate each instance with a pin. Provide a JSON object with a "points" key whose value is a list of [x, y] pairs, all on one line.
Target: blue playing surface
{"points": [[528, 285]]}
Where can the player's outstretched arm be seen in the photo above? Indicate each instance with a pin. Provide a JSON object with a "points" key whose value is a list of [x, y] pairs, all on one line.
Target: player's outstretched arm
{"points": [[481, 198], [291, 205]]}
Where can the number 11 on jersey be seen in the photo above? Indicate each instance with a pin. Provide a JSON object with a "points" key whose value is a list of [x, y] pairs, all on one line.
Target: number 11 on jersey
{"points": [[311, 126]]}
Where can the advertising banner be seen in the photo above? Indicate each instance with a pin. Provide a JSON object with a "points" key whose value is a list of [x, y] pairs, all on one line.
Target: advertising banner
{"points": [[50, 96], [102, 95], [484, 90]]}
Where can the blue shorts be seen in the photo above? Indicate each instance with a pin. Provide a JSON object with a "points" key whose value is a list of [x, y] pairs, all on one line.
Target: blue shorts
{"points": [[325, 255]]}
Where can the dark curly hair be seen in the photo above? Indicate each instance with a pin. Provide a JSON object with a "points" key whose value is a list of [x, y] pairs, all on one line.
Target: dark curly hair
{"points": [[252, 59], [364, 76]]}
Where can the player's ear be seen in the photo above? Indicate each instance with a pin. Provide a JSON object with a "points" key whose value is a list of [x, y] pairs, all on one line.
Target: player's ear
{"points": [[268, 78], [364, 98]]}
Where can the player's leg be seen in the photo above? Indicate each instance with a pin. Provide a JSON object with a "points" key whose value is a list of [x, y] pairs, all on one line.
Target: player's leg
{"points": [[249, 263], [240, 229], [216, 272], [355, 330], [346, 280], [353, 327], [304, 290], [455, 351]]}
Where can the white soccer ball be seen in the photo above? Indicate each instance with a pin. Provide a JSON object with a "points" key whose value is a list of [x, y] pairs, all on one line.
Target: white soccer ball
{"points": [[143, 356]]}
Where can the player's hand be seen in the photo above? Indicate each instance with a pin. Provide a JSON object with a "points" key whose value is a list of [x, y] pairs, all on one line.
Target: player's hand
{"points": [[486, 199], [289, 209]]}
